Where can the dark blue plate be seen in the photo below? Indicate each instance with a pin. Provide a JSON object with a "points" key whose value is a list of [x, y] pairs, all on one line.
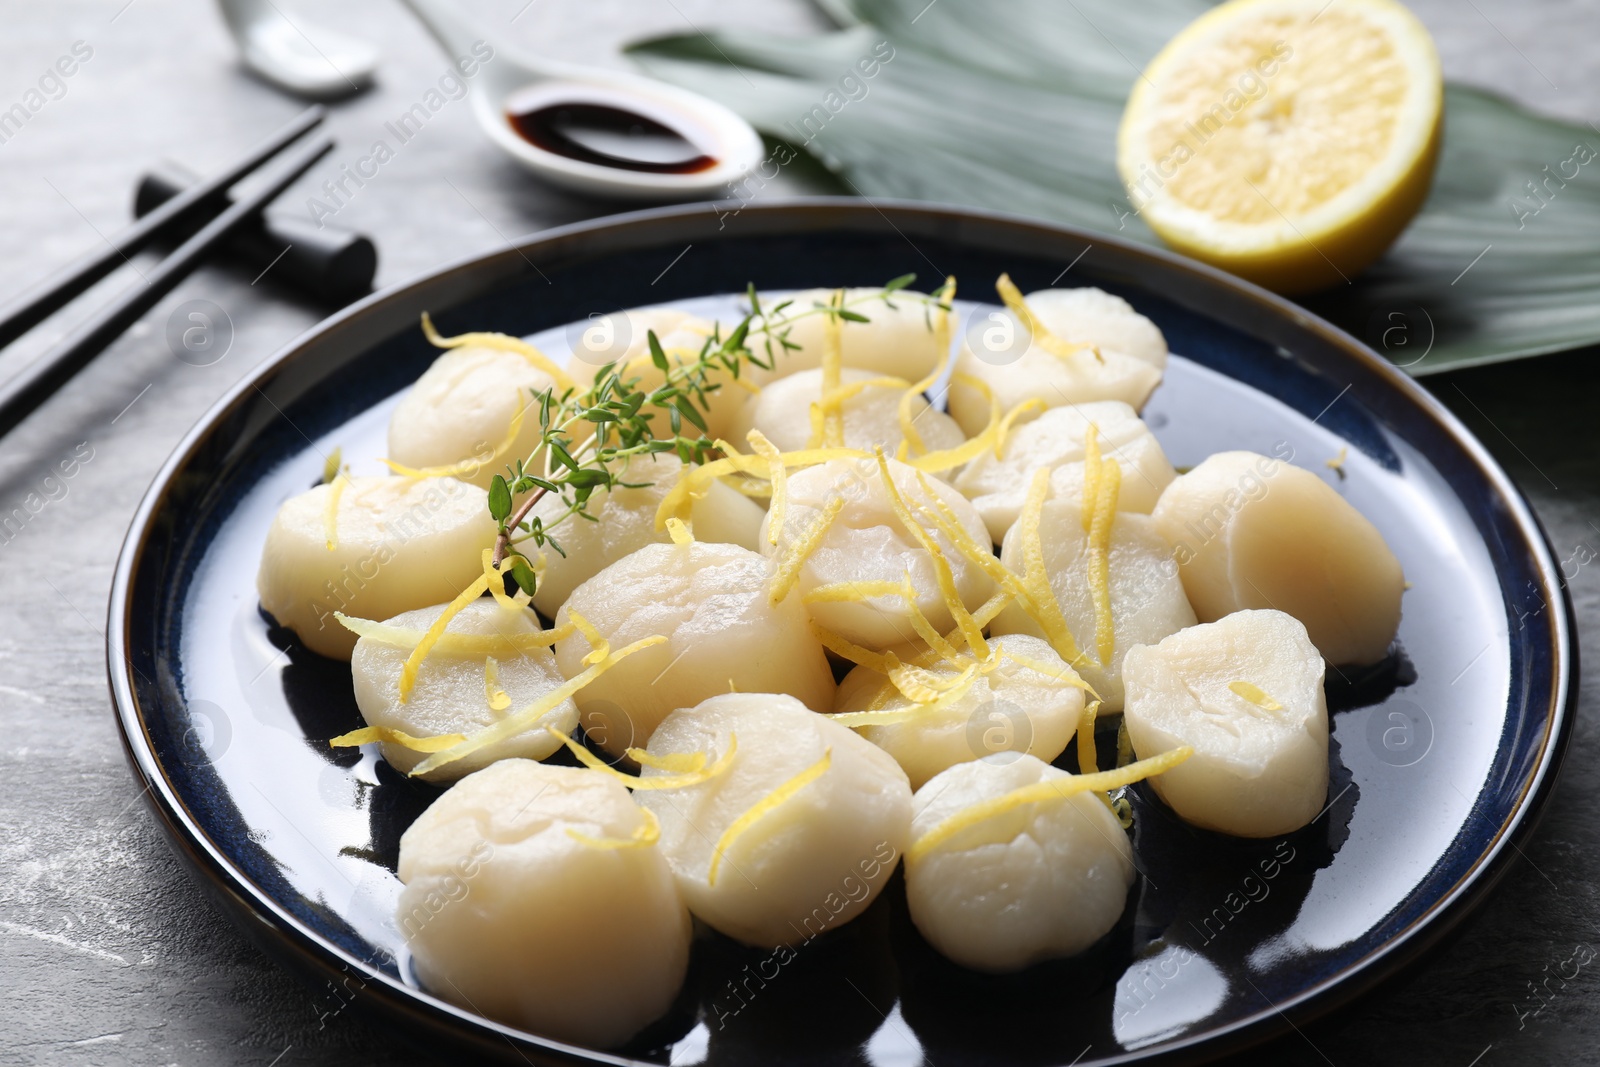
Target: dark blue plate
{"points": [[1441, 756]]}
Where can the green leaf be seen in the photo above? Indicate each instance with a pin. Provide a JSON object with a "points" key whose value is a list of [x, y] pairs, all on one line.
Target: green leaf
{"points": [[690, 412], [499, 499], [657, 355], [850, 316], [588, 478], [1015, 107], [563, 457], [523, 575], [901, 282]]}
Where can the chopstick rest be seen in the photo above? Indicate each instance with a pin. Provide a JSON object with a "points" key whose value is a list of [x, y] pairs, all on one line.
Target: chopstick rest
{"points": [[329, 264]]}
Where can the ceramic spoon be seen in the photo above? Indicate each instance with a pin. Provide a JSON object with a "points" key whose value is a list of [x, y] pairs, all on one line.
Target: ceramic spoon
{"points": [[301, 57], [602, 132]]}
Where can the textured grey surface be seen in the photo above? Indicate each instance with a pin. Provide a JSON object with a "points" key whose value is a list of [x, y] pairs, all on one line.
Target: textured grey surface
{"points": [[108, 954]]}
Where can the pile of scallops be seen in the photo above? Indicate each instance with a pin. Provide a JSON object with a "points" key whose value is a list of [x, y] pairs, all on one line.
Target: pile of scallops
{"points": [[857, 640]]}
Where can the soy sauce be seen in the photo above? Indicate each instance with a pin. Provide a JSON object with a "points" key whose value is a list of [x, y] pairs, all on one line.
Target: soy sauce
{"points": [[610, 137]]}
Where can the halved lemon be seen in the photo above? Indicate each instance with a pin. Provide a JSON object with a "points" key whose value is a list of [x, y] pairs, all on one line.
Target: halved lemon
{"points": [[1287, 141]]}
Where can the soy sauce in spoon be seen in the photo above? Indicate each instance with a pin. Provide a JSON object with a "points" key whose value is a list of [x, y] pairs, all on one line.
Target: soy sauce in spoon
{"points": [[610, 137]]}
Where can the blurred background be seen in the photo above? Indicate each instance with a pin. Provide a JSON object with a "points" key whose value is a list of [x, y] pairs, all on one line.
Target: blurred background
{"points": [[109, 953]]}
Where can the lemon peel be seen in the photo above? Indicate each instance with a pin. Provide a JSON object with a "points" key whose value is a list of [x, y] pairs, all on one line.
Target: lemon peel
{"points": [[680, 532], [496, 584], [941, 341], [406, 639], [675, 762], [638, 783], [1255, 695], [777, 479], [764, 807], [1018, 306], [832, 367], [408, 673], [851, 591], [1102, 482], [831, 405], [500, 342], [497, 698], [969, 450], [468, 467], [648, 833], [1039, 598], [697, 482], [794, 558], [368, 734], [941, 565], [529, 716], [936, 641], [1046, 791], [882, 662], [330, 515], [599, 647], [1087, 759]]}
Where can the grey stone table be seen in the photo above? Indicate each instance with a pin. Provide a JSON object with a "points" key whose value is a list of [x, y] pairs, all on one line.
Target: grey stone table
{"points": [[108, 954]]}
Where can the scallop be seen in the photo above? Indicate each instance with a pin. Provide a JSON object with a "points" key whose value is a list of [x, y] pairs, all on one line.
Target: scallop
{"points": [[1042, 880], [456, 691], [866, 542], [1030, 703], [723, 633], [1147, 599], [392, 545], [804, 828], [1245, 692], [536, 896], [782, 412], [460, 412], [626, 522], [1127, 363], [1250, 531], [998, 487], [898, 340]]}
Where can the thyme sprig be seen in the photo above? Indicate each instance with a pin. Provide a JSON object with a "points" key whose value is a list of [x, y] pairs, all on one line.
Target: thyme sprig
{"points": [[587, 437]]}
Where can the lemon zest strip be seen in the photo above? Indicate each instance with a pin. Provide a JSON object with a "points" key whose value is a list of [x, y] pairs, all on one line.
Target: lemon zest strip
{"points": [[529, 717], [641, 784], [680, 532], [682, 494], [925, 629], [851, 591], [455, 644], [369, 734], [467, 467], [794, 558], [1255, 695], [676, 762], [599, 647], [496, 583], [1056, 346], [498, 698], [647, 834], [764, 807], [886, 716], [1042, 792], [1102, 482], [330, 514], [1088, 762], [408, 673], [992, 436], [500, 342], [1041, 595], [882, 662], [777, 478], [832, 366], [941, 565], [941, 341]]}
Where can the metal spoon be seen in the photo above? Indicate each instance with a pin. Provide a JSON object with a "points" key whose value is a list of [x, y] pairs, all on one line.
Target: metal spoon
{"points": [[301, 57], [511, 83]]}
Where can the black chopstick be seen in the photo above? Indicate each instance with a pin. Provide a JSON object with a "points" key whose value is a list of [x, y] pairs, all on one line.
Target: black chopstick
{"points": [[49, 296], [29, 389]]}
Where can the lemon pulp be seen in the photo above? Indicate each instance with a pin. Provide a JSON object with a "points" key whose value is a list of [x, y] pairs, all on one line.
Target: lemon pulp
{"points": [[1287, 141]]}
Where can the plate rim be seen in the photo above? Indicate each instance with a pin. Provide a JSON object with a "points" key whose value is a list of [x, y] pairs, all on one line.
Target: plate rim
{"points": [[286, 938]]}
